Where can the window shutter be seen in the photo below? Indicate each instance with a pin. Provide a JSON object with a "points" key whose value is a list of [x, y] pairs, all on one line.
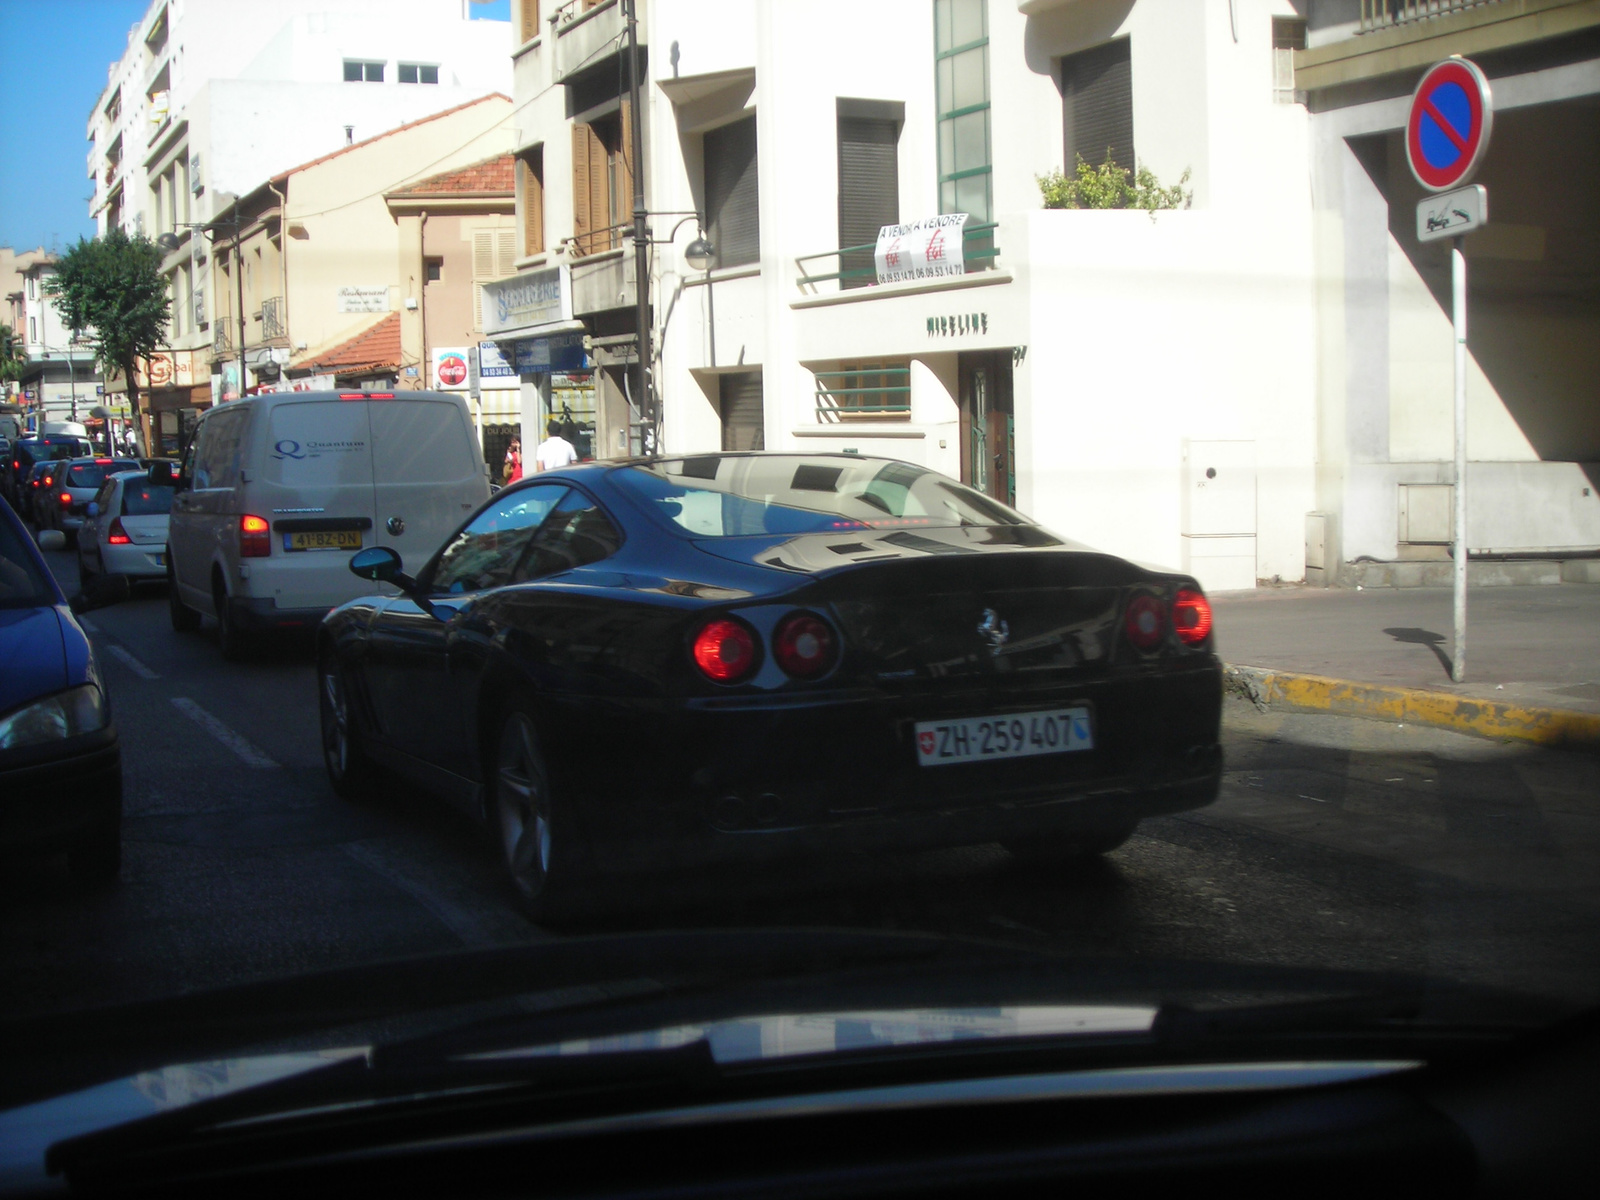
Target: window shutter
{"points": [[732, 193], [482, 270], [505, 253], [624, 206], [869, 187], [1097, 105], [529, 11], [582, 216], [532, 171], [743, 415]]}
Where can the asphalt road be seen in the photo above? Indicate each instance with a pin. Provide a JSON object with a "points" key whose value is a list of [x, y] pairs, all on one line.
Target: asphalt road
{"points": [[1336, 842]]}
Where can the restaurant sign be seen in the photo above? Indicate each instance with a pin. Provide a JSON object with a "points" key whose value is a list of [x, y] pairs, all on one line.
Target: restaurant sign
{"points": [[169, 369], [527, 300]]}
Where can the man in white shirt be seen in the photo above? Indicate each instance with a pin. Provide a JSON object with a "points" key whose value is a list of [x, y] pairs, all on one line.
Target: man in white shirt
{"points": [[555, 451]]}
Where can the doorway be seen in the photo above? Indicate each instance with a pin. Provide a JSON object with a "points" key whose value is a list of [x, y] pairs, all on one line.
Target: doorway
{"points": [[988, 425]]}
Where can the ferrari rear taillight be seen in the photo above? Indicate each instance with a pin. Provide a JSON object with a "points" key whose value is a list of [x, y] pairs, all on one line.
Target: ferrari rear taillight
{"points": [[255, 538], [117, 535], [1191, 617], [804, 645], [725, 650], [1146, 622]]}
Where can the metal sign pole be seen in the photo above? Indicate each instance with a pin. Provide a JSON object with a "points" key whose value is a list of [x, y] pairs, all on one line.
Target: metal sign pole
{"points": [[1458, 307]]}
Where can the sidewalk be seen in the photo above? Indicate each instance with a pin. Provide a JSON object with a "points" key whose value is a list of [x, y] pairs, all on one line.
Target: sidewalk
{"points": [[1533, 656]]}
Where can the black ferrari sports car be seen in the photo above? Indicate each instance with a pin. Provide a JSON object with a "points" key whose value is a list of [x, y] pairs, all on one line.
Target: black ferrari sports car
{"points": [[673, 661]]}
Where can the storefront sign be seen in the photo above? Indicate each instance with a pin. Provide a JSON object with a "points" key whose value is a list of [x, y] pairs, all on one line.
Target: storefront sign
{"points": [[450, 367], [168, 369], [492, 364], [957, 324], [547, 355], [365, 299], [925, 249], [527, 300]]}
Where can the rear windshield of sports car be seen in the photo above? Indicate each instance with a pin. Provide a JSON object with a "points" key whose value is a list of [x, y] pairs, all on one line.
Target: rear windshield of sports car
{"points": [[736, 495]]}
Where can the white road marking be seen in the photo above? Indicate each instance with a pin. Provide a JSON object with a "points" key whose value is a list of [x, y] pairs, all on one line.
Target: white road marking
{"points": [[132, 663], [233, 741], [471, 929]]}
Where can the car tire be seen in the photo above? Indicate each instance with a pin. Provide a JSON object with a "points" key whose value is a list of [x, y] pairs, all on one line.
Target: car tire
{"points": [[1088, 841], [233, 640], [96, 859], [350, 771], [532, 830], [85, 575], [184, 618]]}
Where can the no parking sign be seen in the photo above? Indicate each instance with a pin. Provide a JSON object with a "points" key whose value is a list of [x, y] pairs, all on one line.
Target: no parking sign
{"points": [[1447, 132]]}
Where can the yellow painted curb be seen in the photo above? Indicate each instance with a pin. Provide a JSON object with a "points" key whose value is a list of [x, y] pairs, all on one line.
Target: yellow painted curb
{"points": [[1487, 718]]}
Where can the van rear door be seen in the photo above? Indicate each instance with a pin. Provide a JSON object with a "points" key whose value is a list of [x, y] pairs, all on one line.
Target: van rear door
{"points": [[428, 473], [316, 481]]}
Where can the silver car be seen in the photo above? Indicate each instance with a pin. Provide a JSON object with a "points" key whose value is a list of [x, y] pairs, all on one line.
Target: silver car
{"points": [[124, 531], [75, 483]]}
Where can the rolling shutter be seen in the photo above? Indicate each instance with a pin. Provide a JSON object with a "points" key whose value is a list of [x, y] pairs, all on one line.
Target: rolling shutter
{"points": [[1097, 105], [732, 194], [744, 425], [869, 188]]}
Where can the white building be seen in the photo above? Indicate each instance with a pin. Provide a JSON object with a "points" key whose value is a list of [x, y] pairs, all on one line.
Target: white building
{"points": [[60, 380], [1217, 387], [215, 97]]}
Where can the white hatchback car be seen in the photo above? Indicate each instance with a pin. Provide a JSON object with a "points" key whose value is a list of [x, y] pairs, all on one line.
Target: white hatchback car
{"points": [[275, 490], [124, 530]]}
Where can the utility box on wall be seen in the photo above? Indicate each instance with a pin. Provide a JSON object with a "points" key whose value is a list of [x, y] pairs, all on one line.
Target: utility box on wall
{"points": [[1427, 512], [1219, 514], [1320, 549]]}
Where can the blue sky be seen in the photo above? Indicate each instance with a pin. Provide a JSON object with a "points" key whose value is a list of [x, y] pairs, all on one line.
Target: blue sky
{"points": [[53, 57]]}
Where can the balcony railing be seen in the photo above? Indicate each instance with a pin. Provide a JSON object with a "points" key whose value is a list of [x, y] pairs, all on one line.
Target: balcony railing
{"points": [[857, 266], [863, 392], [1381, 14], [221, 338], [272, 325]]}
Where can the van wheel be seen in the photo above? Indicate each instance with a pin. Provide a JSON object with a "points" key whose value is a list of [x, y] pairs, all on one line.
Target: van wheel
{"points": [[184, 618], [532, 830], [230, 637]]}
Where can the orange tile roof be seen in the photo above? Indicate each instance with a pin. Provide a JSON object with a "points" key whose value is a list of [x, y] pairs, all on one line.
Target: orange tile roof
{"points": [[489, 175], [377, 347], [282, 175]]}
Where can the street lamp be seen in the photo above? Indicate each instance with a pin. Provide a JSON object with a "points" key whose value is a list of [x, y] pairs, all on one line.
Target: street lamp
{"points": [[169, 242]]}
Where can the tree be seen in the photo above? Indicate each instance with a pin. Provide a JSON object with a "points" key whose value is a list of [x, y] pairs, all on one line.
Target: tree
{"points": [[11, 359], [114, 286], [1109, 186]]}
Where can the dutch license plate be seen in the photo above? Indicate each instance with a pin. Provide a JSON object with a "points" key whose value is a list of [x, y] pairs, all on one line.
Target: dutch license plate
{"points": [[1016, 735], [161, 560], [338, 539]]}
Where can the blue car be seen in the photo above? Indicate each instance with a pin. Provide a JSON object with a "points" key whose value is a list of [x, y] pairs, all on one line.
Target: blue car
{"points": [[60, 763]]}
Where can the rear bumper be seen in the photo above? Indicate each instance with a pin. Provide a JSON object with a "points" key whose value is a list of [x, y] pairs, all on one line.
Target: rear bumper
{"points": [[135, 561], [53, 802], [711, 785], [262, 614]]}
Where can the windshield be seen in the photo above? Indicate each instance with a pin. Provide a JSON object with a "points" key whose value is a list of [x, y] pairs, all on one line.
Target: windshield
{"points": [[1035, 505], [733, 497]]}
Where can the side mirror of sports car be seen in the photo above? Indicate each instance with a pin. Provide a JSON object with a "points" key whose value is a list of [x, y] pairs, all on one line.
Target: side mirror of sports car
{"points": [[377, 563]]}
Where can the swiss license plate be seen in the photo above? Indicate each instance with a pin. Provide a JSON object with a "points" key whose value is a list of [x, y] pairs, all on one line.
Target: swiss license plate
{"points": [[337, 539], [1014, 735]]}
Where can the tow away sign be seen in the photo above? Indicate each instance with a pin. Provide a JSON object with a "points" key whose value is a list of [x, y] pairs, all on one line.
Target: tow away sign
{"points": [[1452, 213]]}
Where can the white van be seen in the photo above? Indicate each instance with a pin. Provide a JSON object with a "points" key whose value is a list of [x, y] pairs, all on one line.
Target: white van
{"points": [[276, 491]]}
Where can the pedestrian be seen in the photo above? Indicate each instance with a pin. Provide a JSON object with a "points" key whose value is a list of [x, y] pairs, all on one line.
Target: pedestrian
{"points": [[555, 451], [513, 467]]}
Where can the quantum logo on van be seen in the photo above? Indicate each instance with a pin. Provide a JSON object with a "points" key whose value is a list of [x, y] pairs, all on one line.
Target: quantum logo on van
{"points": [[288, 448]]}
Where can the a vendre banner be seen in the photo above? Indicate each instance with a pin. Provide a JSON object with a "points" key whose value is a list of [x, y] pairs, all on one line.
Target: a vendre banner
{"points": [[450, 368], [925, 249]]}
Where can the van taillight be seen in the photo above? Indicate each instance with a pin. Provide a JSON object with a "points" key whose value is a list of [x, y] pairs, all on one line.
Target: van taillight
{"points": [[366, 395], [255, 537]]}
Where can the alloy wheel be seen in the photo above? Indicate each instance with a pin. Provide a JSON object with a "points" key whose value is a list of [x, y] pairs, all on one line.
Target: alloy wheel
{"points": [[522, 803]]}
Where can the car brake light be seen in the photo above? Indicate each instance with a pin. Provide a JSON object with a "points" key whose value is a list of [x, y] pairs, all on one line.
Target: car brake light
{"points": [[255, 540], [366, 395], [102, 462], [1144, 622], [804, 645], [117, 535], [1191, 617], [725, 650], [65, 498]]}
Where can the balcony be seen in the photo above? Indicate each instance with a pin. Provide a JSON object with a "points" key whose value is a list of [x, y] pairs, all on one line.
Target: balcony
{"points": [[221, 338], [863, 393], [586, 31], [855, 266], [272, 319], [1391, 37], [603, 281]]}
